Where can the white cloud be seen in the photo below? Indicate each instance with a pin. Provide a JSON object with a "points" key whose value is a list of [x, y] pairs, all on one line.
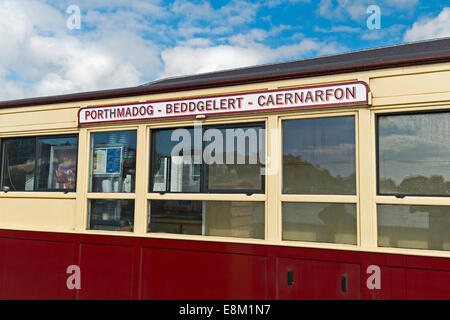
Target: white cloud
{"points": [[274, 3], [188, 60], [234, 13], [342, 9], [430, 28], [47, 59], [356, 10], [338, 29], [404, 4], [183, 60], [124, 44], [393, 32]]}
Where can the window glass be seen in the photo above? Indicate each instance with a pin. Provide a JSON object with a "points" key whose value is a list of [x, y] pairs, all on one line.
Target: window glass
{"points": [[320, 222], [113, 161], [174, 171], [208, 159], [57, 163], [111, 214], [414, 154], [40, 163], [234, 155], [319, 156], [243, 219], [19, 164], [416, 227]]}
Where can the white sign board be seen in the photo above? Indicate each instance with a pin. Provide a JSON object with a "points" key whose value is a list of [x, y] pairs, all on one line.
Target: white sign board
{"points": [[351, 93]]}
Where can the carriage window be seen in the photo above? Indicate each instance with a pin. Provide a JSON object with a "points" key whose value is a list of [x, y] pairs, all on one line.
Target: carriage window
{"points": [[111, 214], [243, 219], [319, 156], [414, 226], [113, 162], [174, 172], [40, 163], [414, 154], [238, 166], [209, 159], [320, 222]]}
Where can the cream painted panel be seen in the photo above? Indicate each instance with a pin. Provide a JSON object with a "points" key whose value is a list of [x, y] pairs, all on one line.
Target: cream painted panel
{"points": [[65, 118], [422, 83], [38, 213]]}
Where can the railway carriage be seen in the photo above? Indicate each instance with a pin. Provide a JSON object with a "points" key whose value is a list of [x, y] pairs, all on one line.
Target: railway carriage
{"points": [[322, 178]]}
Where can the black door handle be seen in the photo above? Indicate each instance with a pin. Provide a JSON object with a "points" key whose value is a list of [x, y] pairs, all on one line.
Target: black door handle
{"points": [[290, 277], [344, 284]]}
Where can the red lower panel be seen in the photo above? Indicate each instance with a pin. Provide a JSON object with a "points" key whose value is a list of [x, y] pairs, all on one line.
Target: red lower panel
{"points": [[34, 269], [392, 284], [409, 283], [176, 274], [427, 284], [106, 272], [33, 266], [310, 279]]}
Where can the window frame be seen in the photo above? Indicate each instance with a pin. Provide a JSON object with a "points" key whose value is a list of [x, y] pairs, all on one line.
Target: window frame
{"points": [[202, 201], [322, 198], [431, 200], [90, 160], [89, 195], [377, 151], [204, 178], [36, 138], [356, 153], [233, 120]]}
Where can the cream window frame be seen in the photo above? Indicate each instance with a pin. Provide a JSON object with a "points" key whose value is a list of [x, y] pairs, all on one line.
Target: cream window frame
{"points": [[407, 200], [256, 197], [322, 198], [86, 196], [43, 194]]}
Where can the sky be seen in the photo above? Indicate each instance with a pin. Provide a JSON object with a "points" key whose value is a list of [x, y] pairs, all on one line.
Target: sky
{"points": [[47, 48]]}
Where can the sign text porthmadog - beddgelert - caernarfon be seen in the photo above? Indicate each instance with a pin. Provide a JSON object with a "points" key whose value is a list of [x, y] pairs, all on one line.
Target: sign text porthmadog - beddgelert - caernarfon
{"points": [[292, 98]]}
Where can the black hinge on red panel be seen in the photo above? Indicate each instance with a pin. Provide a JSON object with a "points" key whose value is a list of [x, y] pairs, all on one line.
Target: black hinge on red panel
{"points": [[290, 277]]}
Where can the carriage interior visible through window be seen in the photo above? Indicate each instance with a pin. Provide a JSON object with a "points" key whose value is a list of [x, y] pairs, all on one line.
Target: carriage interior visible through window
{"points": [[40, 163], [226, 159], [112, 172]]}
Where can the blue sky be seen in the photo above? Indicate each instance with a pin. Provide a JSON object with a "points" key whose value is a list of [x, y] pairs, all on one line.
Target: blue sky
{"points": [[127, 43]]}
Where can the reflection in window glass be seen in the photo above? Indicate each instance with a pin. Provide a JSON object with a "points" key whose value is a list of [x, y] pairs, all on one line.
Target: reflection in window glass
{"points": [[57, 163], [115, 215], [19, 157], [113, 161], [320, 222], [237, 164], [414, 154], [228, 159], [40, 163], [319, 156], [174, 173], [242, 219], [415, 227]]}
